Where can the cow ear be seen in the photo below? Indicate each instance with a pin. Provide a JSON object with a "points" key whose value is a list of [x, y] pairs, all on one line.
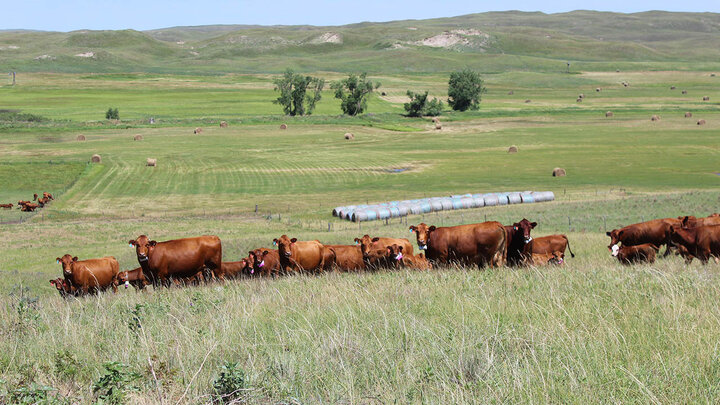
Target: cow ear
{"points": [[75, 259], [265, 252], [533, 224], [389, 249], [293, 240], [153, 243], [432, 228], [275, 242], [620, 233], [400, 247], [375, 239], [132, 243], [514, 227], [356, 240], [413, 228], [57, 260], [607, 233]]}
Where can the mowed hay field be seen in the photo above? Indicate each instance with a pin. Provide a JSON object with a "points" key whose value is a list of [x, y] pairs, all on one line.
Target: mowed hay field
{"points": [[590, 331]]}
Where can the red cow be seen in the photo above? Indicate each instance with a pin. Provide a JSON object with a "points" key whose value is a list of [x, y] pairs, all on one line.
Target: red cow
{"points": [[63, 287], [300, 256], [91, 275], [397, 258], [134, 277], [48, 195], [544, 259], [549, 244], [656, 232], [373, 249], [518, 238], [180, 258], [265, 261], [347, 257], [7, 206], [237, 269], [702, 242], [635, 253], [473, 244]]}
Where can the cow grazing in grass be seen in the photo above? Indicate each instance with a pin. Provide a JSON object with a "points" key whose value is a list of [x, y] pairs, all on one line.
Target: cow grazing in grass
{"points": [[7, 206], [518, 238], [91, 275], [473, 244], [635, 253], [48, 195], [180, 259], [300, 256], [702, 242]]}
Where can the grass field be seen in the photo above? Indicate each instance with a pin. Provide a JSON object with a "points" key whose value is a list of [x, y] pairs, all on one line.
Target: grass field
{"points": [[591, 331]]}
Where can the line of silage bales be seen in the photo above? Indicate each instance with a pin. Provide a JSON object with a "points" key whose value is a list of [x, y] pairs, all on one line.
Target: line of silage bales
{"points": [[395, 209]]}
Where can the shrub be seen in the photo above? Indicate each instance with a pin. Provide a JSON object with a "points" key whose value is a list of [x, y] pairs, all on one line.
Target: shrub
{"points": [[353, 92], [293, 89], [419, 105], [112, 387], [230, 384], [464, 90], [112, 114]]}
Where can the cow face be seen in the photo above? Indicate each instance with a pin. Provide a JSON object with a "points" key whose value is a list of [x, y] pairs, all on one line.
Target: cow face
{"points": [[615, 236], [394, 253], [66, 262], [257, 258], [368, 245], [524, 227], [143, 247], [615, 249], [422, 232], [285, 245]]}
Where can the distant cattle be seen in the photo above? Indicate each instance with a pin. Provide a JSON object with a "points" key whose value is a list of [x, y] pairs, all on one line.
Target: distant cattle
{"points": [[7, 206], [656, 231], [91, 275], [163, 262], [473, 244], [702, 242], [692, 222], [300, 256], [518, 236], [134, 277], [636, 253], [48, 195], [550, 244], [29, 207], [265, 261]]}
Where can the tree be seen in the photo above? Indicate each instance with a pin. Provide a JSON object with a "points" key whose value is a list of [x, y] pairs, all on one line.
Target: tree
{"points": [[294, 96], [112, 114], [419, 105], [464, 90], [353, 92]]}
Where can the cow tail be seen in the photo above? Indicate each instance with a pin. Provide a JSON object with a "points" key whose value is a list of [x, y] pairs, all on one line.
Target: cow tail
{"points": [[501, 254], [568, 245]]}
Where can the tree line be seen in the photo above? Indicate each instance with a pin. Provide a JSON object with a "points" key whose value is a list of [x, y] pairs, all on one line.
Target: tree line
{"points": [[300, 93]]}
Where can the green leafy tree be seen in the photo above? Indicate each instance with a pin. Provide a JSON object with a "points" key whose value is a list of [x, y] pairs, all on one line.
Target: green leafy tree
{"points": [[464, 90], [419, 105], [353, 92], [294, 96], [112, 114]]}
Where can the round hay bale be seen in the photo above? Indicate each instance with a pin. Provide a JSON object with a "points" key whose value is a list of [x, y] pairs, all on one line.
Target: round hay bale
{"points": [[151, 120], [438, 125], [435, 119], [598, 89], [688, 115], [513, 149], [528, 101], [349, 136], [609, 114], [283, 126], [672, 87], [383, 94], [706, 98], [510, 93], [581, 95], [712, 74], [701, 122], [151, 162], [558, 172], [655, 118], [684, 92], [80, 137], [96, 158], [223, 124], [197, 131], [626, 84], [137, 138]]}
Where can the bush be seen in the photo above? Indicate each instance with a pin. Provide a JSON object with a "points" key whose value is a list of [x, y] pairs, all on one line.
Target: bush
{"points": [[112, 387], [464, 90], [34, 394], [112, 114], [353, 92], [419, 105], [293, 93], [230, 384]]}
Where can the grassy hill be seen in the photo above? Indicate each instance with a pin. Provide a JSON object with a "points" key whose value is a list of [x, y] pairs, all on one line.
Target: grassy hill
{"points": [[496, 41]]}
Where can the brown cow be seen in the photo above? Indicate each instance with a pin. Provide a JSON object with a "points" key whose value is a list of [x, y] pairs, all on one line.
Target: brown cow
{"points": [[397, 258], [48, 195], [91, 275], [300, 256], [472, 244], [416, 262], [63, 287], [237, 269], [518, 238], [691, 221], [180, 258], [702, 242], [656, 231], [635, 253], [29, 207], [134, 277], [544, 259], [373, 249], [347, 257], [549, 244], [7, 206], [35, 196], [265, 261]]}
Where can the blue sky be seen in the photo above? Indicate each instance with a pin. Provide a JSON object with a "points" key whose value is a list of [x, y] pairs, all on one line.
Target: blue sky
{"points": [[67, 15]]}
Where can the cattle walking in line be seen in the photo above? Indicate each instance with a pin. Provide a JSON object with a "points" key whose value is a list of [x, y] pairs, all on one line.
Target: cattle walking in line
{"points": [[91, 275], [474, 244], [635, 253], [179, 259]]}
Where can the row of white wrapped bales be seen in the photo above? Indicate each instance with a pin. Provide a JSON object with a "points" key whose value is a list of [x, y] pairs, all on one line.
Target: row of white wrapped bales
{"points": [[394, 209]]}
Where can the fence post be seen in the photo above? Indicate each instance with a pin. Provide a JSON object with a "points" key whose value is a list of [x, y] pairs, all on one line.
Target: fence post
{"points": [[256, 208], [328, 226]]}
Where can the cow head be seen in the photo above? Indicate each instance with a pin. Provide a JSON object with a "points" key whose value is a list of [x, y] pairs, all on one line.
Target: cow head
{"points": [[143, 248], [422, 232], [368, 245], [688, 221], [615, 249], [284, 245], [615, 236], [66, 262], [394, 253], [257, 257], [682, 236], [524, 227], [35, 196]]}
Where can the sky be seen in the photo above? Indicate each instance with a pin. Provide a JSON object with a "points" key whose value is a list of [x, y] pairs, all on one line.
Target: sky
{"points": [[68, 15]]}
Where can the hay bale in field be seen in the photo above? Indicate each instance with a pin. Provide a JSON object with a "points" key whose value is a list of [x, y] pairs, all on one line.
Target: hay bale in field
{"points": [[609, 114], [138, 138], [701, 122], [626, 84], [712, 74], [617, 70], [151, 162], [684, 92], [223, 124], [197, 131], [510, 93], [558, 172], [349, 136], [672, 87], [688, 115], [80, 137], [513, 149], [581, 95], [706, 98], [151, 120], [528, 101], [96, 158], [383, 94], [435, 119], [655, 118], [598, 89], [283, 126], [438, 125]]}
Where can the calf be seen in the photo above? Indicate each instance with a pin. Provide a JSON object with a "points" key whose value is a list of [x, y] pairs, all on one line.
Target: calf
{"points": [[134, 277], [635, 253], [544, 259], [237, 269], [265, 261], [373, 249], [551, 243], [656, 231], [702, 242], [397, 258], [91, 275], [63, 287], [29, 207]]}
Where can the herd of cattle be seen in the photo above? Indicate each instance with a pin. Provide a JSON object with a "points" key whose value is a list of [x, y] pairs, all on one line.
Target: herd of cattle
{"points": [[199, 259], [28, 206]]}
